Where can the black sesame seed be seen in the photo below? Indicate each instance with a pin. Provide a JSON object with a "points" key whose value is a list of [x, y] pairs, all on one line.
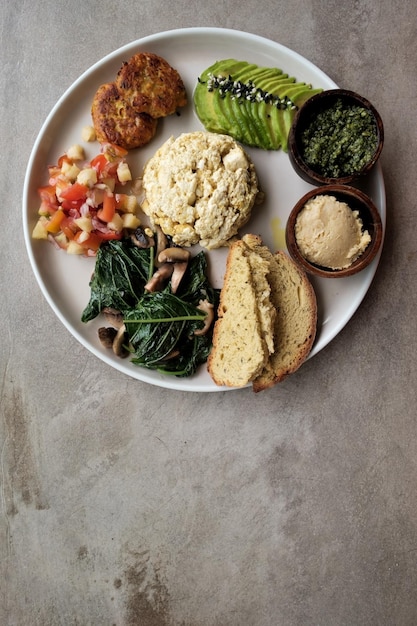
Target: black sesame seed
{"points": [[246, 92]]}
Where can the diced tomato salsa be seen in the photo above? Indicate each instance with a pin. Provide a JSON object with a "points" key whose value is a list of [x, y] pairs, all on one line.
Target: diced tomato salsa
{"points": [[80, 206]]}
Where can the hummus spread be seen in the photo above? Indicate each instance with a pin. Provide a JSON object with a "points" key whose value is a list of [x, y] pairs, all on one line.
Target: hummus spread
{"points": [[329, 233]]}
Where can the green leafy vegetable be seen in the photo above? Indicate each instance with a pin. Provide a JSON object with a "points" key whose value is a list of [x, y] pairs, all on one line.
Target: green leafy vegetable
{"points": [[161, 330], [159, 326], [120, 274]]}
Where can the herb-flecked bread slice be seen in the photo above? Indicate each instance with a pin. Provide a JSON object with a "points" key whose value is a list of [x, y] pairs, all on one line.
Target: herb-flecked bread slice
{"points": [[240, 348]]}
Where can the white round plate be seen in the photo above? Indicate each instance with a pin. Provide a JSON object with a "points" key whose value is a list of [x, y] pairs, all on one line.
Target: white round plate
{"points": [[64, 279]]}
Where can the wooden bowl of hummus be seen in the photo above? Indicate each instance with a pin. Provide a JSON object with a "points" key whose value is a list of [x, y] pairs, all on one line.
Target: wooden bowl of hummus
{"points": [[334, 231]]}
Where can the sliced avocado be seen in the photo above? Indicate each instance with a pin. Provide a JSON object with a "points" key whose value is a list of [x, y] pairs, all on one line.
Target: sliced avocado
{"points": [[255, 74], [257, 113], [206, 108], [258, 128], [255, 123], [275, 86], [305, 95], [243, 129], [287, 117], [273, 128], [277, 121]]}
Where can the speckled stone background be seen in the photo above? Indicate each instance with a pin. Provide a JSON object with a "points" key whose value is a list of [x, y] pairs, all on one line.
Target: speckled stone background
{"points": [[123, 503]]}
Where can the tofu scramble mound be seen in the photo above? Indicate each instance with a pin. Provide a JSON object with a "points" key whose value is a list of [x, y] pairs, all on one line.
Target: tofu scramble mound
{"points": [[200, 188]]}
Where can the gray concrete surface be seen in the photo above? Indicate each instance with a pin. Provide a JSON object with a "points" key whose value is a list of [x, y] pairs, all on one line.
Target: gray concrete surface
{"points": [[123, 503]]}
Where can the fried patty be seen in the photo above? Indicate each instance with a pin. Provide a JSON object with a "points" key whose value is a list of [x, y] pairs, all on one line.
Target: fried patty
{"points": [[126, 111], [150, 84], [116, 121]]}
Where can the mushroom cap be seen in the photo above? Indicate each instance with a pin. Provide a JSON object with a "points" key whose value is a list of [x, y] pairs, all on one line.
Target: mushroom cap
{"points": [[119, 341], [174, 255]]}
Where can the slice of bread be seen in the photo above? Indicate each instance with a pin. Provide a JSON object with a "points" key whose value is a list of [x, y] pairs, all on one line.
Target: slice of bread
{"points": [[294, 300], [243, 331], [267, 318]]}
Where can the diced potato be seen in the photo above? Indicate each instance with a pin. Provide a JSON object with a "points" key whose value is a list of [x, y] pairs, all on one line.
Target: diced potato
{"points": [[132, 204], [84, 223], [75, 248], [39, 231], [87, 176], [116, 224], [62, 240], [70, 170], [125, 203], [130, 221], [44, 209], [88, 133], [83, 236], [123, 172], [76, 153]]}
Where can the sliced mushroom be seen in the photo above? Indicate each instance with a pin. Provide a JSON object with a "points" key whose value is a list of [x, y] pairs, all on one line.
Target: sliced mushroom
{"points": [[158, 279], [174, 255], [141, 239], [106, 336], [161, 242], [179, 270], [113, 316], [119, 341], [207, 307]]}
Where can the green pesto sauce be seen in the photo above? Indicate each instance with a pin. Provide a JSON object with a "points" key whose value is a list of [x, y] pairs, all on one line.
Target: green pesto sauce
{"points": [[340, 140]]}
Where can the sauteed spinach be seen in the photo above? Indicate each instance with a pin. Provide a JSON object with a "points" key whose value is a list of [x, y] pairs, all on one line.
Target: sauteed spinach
{"points": [[160, 326], [120, 274]]}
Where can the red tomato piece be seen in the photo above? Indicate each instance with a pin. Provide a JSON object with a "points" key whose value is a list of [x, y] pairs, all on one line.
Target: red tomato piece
{"points": [[48, 198], [114, 151], [73, 196], [99, 163], [63, 159], [69, 228], [111, 234], [105, 166], [74, 192], [106, 213], [92, 242]]}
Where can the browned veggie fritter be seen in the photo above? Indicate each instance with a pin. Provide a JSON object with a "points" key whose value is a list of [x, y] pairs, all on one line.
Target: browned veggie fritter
{"points": [[116, 121], [126, 112]]}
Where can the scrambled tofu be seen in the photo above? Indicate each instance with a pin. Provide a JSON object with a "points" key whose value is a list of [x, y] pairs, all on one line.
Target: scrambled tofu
{"points": [[200, 188]]}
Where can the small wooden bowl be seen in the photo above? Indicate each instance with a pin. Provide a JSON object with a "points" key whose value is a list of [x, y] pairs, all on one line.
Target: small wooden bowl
{"points": [[317, 103], [371, 220]]}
